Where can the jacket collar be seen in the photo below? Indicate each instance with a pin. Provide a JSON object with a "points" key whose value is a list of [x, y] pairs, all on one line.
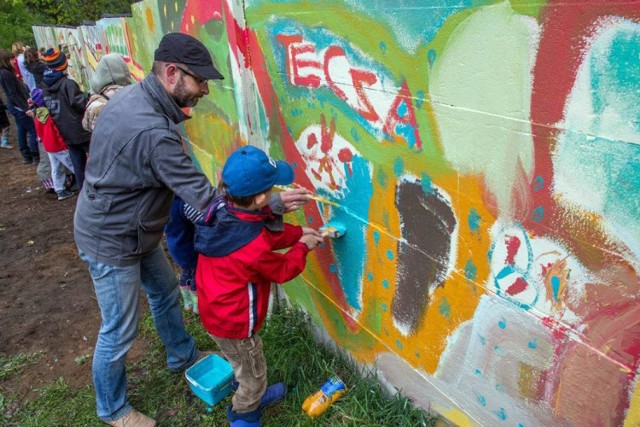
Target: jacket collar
{"points": [[51, 77], [154, 88]]}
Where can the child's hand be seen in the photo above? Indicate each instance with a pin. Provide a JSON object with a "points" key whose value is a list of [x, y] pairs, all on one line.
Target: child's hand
{"points": [[311, 240], [309, 230]]}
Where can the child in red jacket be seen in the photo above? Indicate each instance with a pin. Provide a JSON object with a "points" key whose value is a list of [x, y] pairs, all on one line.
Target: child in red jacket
{"points": [[238, 262], [53, 144]]}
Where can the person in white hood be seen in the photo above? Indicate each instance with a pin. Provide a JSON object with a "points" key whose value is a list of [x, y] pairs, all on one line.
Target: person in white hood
{"points": [[112, 74]]}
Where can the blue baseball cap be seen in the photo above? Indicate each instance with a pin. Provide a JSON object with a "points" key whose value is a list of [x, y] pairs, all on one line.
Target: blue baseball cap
{"points": [[250, 171]]}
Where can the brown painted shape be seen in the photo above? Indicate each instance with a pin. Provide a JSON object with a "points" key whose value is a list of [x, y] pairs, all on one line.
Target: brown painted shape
{"points": [[427, 222]]}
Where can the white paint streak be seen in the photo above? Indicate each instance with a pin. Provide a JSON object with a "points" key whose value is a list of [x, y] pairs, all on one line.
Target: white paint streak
{"points": [[331, 172]]}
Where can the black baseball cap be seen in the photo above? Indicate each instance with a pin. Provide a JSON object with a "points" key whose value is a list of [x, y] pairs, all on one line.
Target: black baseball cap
{"points": [[184, 49]]}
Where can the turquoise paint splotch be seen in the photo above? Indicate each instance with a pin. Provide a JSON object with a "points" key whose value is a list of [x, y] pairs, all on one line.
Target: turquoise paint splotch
{"points": [[370, 276], [383, 47], [399, 344], [333, 268], [445, 309], [481, 400], [419, 99], [502, 323], [406, 131], [431, 57], [385, 220], [483, 340], [376, 237], [402, 109], [474, 220], [478, 372], [538, 183], [348, 252], [533, 344], [355, 135], [538, 214], [501, 388], [502, 414], [426, 183], [385, 283], [398, 166], [384, 307], [381, 177], [389, 254], [555, 286], [470, 270]]}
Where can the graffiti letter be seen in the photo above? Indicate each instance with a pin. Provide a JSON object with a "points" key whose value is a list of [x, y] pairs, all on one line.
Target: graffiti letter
{"points": [[333, 52], [295, 48], [408, 118], [364, 106]]}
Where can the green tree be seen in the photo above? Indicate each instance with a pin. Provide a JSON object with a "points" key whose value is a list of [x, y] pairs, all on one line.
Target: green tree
{"points": [[74, 12], [16, 20], [18, 16]]}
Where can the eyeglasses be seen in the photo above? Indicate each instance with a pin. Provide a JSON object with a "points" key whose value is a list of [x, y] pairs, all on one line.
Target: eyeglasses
{"points": [[199, 80]]}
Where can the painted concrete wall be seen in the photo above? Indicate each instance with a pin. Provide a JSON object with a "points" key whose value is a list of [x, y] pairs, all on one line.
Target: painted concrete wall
{"points": [[485, 157]]}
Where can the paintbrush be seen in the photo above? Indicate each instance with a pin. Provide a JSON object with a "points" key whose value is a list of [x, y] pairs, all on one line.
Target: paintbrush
{"points": [[333, 230], [310, 195]]}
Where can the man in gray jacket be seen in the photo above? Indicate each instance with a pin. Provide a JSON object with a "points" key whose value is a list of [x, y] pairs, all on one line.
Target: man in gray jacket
{"points": [[137, 163]]}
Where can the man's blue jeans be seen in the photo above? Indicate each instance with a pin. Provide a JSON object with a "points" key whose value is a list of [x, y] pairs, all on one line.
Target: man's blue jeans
{"points": [[118, 291]]}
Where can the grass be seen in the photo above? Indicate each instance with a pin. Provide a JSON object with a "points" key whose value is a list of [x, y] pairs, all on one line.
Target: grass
{"points": [[13, 365], [293, 356]]}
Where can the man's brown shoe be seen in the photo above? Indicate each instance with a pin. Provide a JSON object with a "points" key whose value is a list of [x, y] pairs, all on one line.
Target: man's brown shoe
{"points": [[133, 419]]}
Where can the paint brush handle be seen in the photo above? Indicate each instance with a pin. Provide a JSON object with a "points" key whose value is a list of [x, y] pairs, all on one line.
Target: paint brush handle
{"points": [[322, 200], [311, 195]]}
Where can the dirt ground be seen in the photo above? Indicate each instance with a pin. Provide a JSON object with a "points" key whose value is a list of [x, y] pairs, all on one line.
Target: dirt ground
{"points": [[47, 302]]}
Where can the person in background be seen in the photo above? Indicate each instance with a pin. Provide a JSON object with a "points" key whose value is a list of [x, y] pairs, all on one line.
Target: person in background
{"points": [[112, 74], [54, 145], [66, 104], [4, 126], [18, 49], [34, 65], [18, 104], [137, 164]]}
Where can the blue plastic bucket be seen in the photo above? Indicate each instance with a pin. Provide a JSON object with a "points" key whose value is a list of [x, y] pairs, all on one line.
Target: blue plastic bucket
{"points": [[210, 378]]}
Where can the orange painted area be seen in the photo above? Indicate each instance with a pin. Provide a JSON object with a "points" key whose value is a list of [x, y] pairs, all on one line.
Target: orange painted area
{"points": [[150, 21]]}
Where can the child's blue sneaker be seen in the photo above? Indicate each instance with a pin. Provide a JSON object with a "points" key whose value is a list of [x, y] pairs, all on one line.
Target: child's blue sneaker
{"points": [[274, 393], [248, 419]]}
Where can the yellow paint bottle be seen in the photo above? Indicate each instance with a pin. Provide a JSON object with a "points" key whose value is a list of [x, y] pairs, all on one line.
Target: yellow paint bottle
{"points": [[318, 402]]}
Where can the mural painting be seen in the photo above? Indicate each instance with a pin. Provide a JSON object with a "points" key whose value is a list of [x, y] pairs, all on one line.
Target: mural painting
{"points": [[485, 158]]}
